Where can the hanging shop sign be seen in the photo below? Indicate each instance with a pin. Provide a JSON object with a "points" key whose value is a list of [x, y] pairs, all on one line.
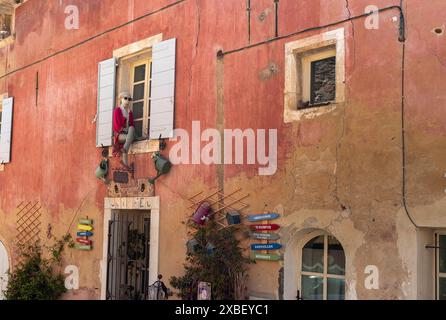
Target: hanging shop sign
{"points": [[266, 246], [261, 217], [264, 236], [266, 257], [265, 227]]}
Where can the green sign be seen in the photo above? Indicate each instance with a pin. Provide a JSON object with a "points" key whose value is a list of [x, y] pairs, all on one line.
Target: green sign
{"points": [[266, 257]]}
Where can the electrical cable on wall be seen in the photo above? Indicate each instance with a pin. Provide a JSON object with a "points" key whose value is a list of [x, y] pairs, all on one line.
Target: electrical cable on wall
{"points": [[401, 38]]}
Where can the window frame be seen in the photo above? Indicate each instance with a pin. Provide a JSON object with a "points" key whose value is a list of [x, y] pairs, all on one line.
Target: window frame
{"points": [[294, 77], [122, 55], [147, 61], [325, 275], [2, 96], [437, 273]]}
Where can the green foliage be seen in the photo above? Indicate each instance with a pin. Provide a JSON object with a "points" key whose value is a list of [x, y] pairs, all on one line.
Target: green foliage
{"points": [[220, 268], [35, 277]]}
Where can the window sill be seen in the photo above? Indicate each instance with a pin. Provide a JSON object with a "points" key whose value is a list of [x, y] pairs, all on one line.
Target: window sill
{"points": [[2, 167], [309, 112], [139, 147], [144, 146]]}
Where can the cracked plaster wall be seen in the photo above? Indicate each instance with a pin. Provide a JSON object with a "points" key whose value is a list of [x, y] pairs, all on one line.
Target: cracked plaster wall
{"points": [[339, 171]]}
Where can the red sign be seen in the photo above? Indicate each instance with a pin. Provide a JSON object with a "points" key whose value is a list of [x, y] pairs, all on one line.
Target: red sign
{"points": [[84, 241], [264, 227]]}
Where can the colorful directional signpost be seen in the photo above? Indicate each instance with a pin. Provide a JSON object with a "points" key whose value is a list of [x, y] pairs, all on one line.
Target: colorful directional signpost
{"points": [[85, 230], [262, 232]]}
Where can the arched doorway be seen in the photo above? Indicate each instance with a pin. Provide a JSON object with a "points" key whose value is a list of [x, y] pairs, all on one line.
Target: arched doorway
{"points": [[4, 267], [322, 268]]}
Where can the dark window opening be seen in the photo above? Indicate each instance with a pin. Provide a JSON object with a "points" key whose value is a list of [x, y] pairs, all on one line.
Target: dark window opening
{"points": [[323, 81]]}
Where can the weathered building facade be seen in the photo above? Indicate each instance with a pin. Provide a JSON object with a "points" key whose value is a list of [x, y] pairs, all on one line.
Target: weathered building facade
{"points": [[363, 172]]}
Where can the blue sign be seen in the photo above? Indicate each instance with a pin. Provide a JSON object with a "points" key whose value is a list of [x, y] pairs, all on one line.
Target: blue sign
{"points": [[269, 246], [260, 217], [85, 234]]}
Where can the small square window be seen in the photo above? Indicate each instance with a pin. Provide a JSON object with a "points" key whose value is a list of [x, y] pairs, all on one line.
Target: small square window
{"points": [[314, 75]]}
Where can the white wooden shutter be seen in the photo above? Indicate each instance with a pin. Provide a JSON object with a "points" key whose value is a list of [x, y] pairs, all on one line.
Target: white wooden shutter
{"points": [[162, 89], [106, 102], [4, 267], [6, 130]]}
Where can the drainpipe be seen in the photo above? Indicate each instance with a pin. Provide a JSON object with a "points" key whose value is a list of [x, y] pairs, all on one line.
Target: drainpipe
{"points": [[402, 39]]}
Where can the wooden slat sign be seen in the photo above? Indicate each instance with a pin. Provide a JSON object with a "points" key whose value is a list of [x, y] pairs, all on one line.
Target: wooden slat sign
{"points": [[260, 217], [265, 227], [266, 257], [264, 246], [264, 236]]}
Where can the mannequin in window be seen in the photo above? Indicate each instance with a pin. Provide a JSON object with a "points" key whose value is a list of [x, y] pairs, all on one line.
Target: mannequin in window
{"points": [[123, 127]]}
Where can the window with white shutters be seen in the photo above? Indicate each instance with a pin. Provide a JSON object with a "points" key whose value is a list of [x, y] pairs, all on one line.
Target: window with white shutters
{"points": [[6, 130], [149, 75], [163, 90], [106, 102]]}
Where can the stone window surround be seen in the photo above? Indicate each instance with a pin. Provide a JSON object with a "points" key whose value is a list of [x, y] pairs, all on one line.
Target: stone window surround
{"points": [[132, 203], [122, 54], [293, 50]]}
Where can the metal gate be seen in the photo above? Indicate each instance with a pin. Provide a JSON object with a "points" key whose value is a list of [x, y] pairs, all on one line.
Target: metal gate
{"points": [[128, 255]]}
